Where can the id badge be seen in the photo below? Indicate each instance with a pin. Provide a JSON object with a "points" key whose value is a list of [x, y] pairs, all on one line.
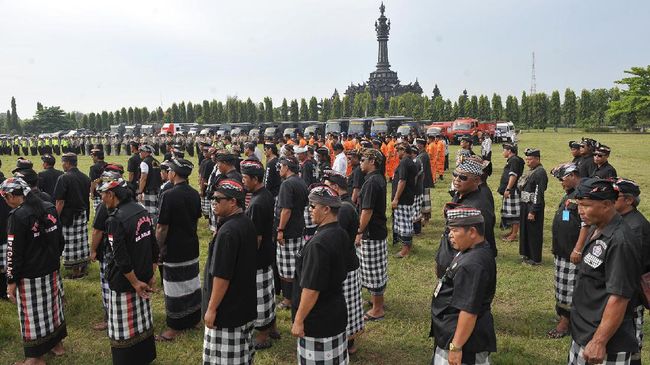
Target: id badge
{"points": [[435, 292], [565, 215]]}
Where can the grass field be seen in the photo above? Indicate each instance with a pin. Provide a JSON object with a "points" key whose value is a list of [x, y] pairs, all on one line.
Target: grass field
{"points": [[523, 307]]}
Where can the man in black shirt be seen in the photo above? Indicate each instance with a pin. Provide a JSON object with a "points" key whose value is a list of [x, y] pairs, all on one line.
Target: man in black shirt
{"points": [[308, 174], [290, 223], [575, 152], [355, 180], [319, 309], [260, 211], [586, 165], [461, 318], [510, 206], [272, 178], [348, 219], [427, 178], [531, 221], [229, 288], [602, 326], [566, 229], [133, 166], [626, 206], [95, 172], [149, 182], [371, 237], [601, 167], [73, 205], [205, 168], [466, 182], [180, 210], [130, 273], [402, 198], [47, 178]]}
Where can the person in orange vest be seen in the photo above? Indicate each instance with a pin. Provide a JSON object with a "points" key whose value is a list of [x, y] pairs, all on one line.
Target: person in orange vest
{"points": [[302, 142], [440, 156], [348, 144], [391, 157], [289, 141], [432, 151]]}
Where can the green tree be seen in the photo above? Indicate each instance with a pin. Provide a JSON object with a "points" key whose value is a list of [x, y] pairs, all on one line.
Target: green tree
{"points": [[462, 100], [448, 111], [207, 112], [455, 111], [111, 119], [569, 108], [303, 114], [232, 109], [524, 111], [484, 112], [14, 125], [219, 112], [198, 113], [437, 110], [471, 108], [417, 112], [380, 106], [251, 111], [346, 106], [137, 115], [268, 109], [182, 111], [39, 106], [326, 110], [84, 122], [49, 119], [284, 110], [159, 114], [294, 113], [105, 120], [260, 113], [497, 107], [599, 105], [584, 109], [130, 114], [539, 112], [145, 114], [191, 118], [313, 108], [337, 107], [175, 115], [555, 110], [436, 92], [92, 121]]}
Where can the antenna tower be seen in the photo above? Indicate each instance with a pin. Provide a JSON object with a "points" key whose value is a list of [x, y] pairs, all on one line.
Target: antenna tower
{"points": [[533, 81]]}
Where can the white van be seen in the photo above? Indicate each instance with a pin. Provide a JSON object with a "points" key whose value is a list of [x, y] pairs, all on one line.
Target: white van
{"points": [[505, 132]]}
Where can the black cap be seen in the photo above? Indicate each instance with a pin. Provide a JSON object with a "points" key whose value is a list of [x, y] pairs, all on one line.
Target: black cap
{"points": [[22, 164], [534, 152], [48, 159]]}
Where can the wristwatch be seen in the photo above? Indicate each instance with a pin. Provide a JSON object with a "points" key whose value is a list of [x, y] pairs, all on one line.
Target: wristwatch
{"points": [[454, 348]]}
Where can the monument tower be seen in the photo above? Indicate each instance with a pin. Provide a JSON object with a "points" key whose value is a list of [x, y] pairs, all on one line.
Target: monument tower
{"points": [[383, 81]]}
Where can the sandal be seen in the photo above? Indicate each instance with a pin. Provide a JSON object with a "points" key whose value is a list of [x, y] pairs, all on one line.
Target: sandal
{"points": [[163, 338], [368, 318], [554, 333]]}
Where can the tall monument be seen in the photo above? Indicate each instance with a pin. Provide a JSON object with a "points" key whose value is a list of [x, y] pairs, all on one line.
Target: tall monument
{"points": [[383, 81]]}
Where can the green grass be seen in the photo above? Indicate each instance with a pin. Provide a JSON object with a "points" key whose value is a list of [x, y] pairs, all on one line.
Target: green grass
{"points": [[523, 306]]}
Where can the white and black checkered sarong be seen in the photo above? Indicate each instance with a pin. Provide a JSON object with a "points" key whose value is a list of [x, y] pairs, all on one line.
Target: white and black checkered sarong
{"points": [[231, 346], [265, 297], [440, 357], [510, 208], [3, 256], [310, 227], [575, 356], [76, 252], [40, 310], [286, 256], [96, 201], [403, 220], [150, 203], [637, 316], [323, 351], [373, 259], [103, 280], [129, 319], [426, 201], [205, 206], [565, 279], [418, 201], [352, 294]]}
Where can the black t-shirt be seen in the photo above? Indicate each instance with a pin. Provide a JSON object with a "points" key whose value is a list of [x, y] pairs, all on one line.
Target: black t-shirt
{"points": [[611, 265], [321, 266], [373, 196], [47, 180], [348, 219], [72, 187], [641, 228], [514, 167], [95, 172], [101, 216], [356, 178], [586, 165], [406, 170], [260, 211], [605, 171], [566, 226], [33, 253], [205, 168], [132, 240], [180, 210], [308, 172], [293, 195], [133, 166], [272, 179], [232, 256], [468, 285], [419, 176]]}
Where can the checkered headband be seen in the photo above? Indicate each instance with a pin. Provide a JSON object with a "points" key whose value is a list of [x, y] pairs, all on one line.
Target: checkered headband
{"points": [[110, 180], [471, 166], [626, 186], [597, 189], [230, 188], [563, 170], [252, 167], [323, 194], [463, 216], [12, 184]]}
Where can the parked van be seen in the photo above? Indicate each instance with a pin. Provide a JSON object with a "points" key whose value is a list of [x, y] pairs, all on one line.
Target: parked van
{"points": [[505, 132]]}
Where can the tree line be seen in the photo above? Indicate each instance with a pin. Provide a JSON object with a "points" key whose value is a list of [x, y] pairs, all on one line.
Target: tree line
{"points": [[591, 108]]}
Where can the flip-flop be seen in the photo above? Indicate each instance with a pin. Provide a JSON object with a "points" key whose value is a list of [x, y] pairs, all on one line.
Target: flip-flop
{"points": [[368, 318], [263, 345], [101, 326], [554, 333], [162, 338]]}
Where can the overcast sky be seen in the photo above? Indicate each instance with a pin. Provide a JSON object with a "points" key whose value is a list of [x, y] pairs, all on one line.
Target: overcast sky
{"points": [[92, 56]]}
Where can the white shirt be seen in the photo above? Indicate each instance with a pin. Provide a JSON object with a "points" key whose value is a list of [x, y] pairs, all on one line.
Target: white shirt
{"points": [[340, 164], [144, 168], [258, 153]]}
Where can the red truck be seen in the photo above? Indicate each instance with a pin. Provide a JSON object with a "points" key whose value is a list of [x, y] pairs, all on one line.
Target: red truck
{"points": [[468, 127]]}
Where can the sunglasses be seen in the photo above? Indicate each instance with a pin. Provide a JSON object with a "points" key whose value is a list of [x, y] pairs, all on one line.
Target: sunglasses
{"points": [[599, 155], [217, 199], [460, 177]]}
